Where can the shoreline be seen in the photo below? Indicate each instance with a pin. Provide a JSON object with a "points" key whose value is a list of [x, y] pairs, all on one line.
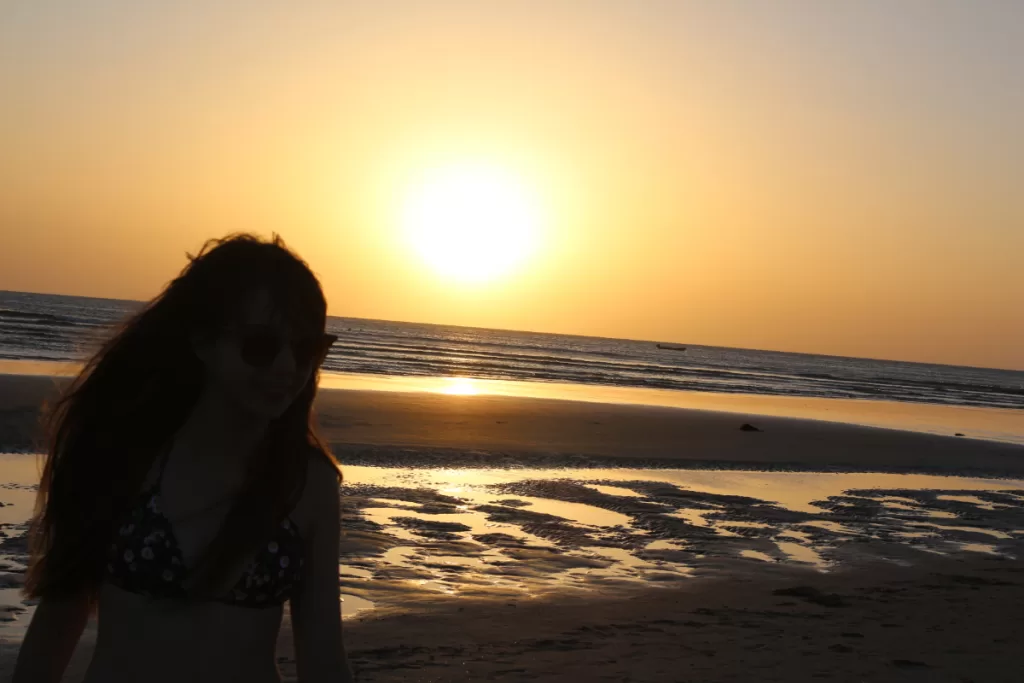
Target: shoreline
{"points": [[986, 423], [423, 429], [1001, 424]]}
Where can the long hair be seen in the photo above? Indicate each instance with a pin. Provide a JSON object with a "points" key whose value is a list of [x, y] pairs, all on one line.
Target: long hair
{"points": [[102, 433]]}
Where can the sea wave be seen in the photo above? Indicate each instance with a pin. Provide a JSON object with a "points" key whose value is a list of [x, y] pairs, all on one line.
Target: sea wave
{"points": [[34, 326]]}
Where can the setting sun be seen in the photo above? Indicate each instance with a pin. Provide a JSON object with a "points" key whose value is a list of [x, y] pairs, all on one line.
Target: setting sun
{"points": [[471, 223]]}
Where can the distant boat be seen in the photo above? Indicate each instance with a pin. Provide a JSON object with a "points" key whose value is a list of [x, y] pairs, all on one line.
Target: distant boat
{"points": [[671, 348]]}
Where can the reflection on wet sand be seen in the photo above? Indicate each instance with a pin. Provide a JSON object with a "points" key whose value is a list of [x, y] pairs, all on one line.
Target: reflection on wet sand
{"points": [[414, 536], [508, 533]]}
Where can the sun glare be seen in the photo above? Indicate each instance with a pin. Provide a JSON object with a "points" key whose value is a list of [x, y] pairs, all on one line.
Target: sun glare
{"points": [[471, 223], [460, 386]]}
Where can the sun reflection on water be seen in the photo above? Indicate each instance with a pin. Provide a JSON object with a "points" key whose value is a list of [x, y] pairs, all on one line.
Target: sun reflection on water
{"points": [[459, 386]]}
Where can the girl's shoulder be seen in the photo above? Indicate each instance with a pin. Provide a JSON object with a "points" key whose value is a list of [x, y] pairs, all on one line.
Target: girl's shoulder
{"points": [[321, 466], [320, 492]]}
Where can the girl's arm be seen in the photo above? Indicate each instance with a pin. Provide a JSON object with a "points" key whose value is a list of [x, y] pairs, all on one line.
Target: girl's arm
{"points": [[51, 639], [316, 609]]}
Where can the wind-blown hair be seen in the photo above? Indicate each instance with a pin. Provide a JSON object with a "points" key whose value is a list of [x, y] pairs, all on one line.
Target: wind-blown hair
{"points": [[105, 428]]}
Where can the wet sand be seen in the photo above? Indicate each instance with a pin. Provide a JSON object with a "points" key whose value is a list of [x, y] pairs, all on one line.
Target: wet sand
{"points": [[954, 620], [432, 430], [658, 573]]}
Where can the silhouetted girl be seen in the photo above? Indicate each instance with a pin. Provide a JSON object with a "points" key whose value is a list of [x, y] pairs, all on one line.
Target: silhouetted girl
{"points": [[186, 495]]}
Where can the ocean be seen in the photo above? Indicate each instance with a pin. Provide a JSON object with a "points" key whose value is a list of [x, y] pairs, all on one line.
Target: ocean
{"points": [[46, 327]]}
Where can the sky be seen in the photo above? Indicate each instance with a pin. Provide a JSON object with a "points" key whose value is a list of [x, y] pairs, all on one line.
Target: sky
{"points": [[839, 178]]}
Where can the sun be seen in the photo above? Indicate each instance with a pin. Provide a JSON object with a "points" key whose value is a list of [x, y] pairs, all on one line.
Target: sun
{"points": [[471, 223]]}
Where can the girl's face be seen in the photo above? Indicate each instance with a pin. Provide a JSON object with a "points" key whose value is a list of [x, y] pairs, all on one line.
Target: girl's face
{"points": [[258, 363]]}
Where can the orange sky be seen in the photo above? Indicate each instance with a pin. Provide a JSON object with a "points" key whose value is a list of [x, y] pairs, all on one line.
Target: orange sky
{"points": [[780, 175]]}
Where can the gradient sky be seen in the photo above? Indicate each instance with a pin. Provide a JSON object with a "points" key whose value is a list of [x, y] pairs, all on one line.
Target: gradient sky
{"points": [[840, 178]]}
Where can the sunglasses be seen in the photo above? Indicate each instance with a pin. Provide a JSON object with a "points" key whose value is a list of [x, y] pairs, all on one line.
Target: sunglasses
{"points": [[259, 345]]}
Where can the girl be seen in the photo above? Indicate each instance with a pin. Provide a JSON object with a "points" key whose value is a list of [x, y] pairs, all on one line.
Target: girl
{"points": [[186, 495]]}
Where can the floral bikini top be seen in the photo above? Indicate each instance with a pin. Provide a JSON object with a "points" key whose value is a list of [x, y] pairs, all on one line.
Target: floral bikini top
{"points": [[145, 558]]}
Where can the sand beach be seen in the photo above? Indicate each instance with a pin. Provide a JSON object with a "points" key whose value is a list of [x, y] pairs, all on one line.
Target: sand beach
{"points": [[512, 538]]}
